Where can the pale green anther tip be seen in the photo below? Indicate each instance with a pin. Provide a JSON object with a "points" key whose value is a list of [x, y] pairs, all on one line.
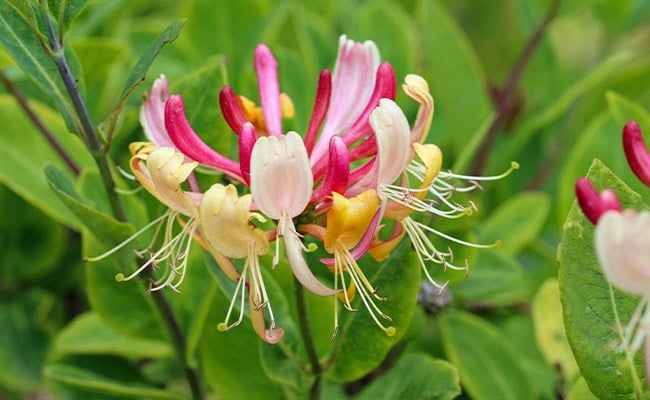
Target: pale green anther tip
{"points": [[119, 277], [390, 331], [498, 243], [311, 247], [468, 211], [222, 327], [514, 165]]}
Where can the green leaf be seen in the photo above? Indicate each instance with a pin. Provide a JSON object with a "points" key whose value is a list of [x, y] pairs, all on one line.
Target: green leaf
{"points": [[278, 361], [139, 72], [24, 151], [462, 105], [516, 222], [103, 378], [107, 228], [594, 311], [549, 330], [200, 90], [560, 106], [360, 344], [32, 245], [88, 334], [415, 376], [25, 339], [20, 41], [70, 9], [488, 367], [495, 279], [624, 109], [230, 360], [580, 391]]}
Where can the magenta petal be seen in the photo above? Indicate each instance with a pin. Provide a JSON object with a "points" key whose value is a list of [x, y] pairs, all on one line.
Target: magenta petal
{"points": [[338, 170], [267, 77], [231, 109], [321, 105], [385, 88], [594, 205], [190, 144], [247, 139], [636, 151]]}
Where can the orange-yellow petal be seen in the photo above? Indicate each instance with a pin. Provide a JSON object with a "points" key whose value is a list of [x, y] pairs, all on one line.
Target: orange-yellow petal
{"points": [[348, 219]]}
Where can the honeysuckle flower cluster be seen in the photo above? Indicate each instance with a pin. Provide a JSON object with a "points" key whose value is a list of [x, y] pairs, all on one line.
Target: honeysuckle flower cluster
{"points": [[621, 239], [358, 165]]}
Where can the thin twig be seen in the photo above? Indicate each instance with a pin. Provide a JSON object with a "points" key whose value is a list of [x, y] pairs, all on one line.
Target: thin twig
{"points": [[178, 342], [307, 338], [88, 132], [36, 120], [95, 146], [507, 92]]}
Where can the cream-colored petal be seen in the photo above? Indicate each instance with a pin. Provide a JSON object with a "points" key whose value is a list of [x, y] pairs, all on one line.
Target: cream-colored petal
{"points": [[418, 89], [281, 179], [224, 218], [168, 172], [621, 241], [297, 262], [393, 140]]}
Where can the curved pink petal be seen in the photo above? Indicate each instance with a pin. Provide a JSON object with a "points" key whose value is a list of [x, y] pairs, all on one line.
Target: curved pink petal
{"points": [[247, 139], [353, 82], [594, 205], [190, 144], [385, 88], [321, 105], [298, 265], [267, 78], [338, 170], [231, 109], [636, 151]]}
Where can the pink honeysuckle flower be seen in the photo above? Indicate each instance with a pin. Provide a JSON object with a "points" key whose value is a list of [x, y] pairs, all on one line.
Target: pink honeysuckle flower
{"points": [[353, 82], [281, 185], [593, 204], [636, 152], [400, 153]]}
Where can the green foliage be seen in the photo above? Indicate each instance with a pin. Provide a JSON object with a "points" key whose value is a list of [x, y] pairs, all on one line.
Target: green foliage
{"points": [[488, 368], [594, 311], [70, 330]]}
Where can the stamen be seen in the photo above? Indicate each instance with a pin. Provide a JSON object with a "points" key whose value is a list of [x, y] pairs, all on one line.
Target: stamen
{"points": [[223, 326], [127, 241], [361, 283]]}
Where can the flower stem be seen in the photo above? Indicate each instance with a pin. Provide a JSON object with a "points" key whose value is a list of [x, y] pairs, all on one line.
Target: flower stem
{"points": [[87, 131], [36, 120], [89, 135], [307, 338], [178, 342]]}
